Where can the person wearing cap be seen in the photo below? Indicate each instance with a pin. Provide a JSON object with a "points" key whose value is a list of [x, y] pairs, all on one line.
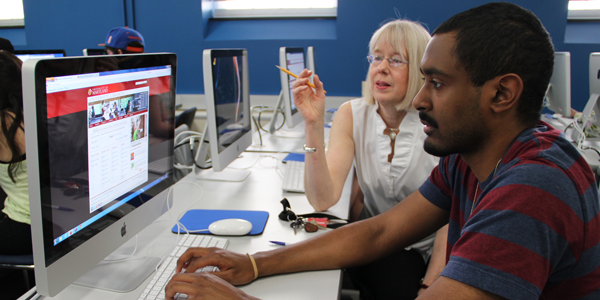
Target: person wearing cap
{"points": [[123, 40]]}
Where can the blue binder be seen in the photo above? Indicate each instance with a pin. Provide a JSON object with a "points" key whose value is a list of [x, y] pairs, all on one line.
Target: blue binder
{"points": [[196, 219]]}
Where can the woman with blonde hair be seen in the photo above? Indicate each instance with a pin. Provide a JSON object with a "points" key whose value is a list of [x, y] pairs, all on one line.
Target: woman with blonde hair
{"points": [[382, 135]]}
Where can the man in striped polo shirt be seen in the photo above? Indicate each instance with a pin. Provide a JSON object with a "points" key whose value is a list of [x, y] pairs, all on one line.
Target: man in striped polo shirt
{"points": [[522, 203]]}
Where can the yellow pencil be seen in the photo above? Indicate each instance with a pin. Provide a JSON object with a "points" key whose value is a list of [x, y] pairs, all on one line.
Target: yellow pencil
{"points": [[295, 76]]}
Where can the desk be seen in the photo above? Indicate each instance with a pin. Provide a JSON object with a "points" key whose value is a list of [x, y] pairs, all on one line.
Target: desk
{"points": [[260, 191], [283, 140]]}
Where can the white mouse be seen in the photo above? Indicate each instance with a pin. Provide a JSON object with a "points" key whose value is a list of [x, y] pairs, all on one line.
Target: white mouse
{"points": [[230, 227]]}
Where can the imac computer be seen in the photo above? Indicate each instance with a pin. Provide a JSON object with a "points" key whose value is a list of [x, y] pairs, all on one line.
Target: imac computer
{"points": [[94, 126], [91, 52], [558, 95], [292, 59], [28, 54], [228, 129], [590, 117]]}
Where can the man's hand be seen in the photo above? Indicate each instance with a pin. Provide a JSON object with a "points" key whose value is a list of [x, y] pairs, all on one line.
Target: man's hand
{"points": [[203, 285], [235, 268]]}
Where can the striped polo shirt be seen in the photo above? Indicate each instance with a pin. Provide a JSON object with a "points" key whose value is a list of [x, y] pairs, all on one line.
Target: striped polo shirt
{"points": [[534, 231]]}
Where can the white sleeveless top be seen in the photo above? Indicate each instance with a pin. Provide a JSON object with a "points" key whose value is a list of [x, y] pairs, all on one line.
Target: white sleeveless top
{"points": [[385, 184], [16, 204]]}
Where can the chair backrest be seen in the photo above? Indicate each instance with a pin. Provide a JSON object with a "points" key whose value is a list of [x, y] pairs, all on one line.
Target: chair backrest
{"points": [[186, 117]]}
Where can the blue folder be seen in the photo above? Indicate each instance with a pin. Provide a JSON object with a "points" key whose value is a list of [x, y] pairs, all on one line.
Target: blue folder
{"points": [[197, 219]]}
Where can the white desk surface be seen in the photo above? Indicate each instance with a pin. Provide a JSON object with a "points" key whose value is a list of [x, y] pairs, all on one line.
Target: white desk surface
{"points": [[260, 191], [283, 140]]}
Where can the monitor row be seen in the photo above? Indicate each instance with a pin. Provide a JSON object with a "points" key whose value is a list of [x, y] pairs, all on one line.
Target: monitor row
{"points": [[96, 125]]}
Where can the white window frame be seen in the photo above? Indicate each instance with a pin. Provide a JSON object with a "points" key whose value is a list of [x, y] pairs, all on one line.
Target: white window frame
{"points": [[12, 13], [584, 10], [284, 9]]}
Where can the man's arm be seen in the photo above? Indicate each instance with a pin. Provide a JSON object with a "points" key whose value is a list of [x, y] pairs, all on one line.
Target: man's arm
{"points": [[446, 288], [358, 243]]}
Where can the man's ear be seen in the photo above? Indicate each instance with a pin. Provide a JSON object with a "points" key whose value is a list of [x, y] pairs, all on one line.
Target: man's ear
{"points": [[508, 89]]}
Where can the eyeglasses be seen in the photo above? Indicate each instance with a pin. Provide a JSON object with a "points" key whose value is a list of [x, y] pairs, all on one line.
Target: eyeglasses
{"points": [[394, 62]]}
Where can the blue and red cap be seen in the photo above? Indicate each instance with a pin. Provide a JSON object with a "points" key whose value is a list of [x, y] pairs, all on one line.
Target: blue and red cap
{"points": [[120, 37]]}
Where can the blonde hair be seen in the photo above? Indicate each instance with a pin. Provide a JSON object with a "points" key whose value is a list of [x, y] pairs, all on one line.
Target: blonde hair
{"points": [[414, 37]]}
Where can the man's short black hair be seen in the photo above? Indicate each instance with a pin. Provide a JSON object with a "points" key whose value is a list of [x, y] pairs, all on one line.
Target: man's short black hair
{"points": [[6, 45], [500, 38]]}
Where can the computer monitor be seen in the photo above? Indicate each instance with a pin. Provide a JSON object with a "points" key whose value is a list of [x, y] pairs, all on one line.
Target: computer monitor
{"points": [[310, 61], [595, 73], [228, 125], [28, 54], [292, 59], [92, 136], [590, 117], [558, 95], [91, 52]]}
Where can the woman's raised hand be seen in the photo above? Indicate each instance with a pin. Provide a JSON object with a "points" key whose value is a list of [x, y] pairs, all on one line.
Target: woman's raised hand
{"points": [[310, 103]]}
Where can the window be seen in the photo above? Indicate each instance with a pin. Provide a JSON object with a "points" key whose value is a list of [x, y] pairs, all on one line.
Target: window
{"points": [[11, 14], [274, 8], [584, 10]]}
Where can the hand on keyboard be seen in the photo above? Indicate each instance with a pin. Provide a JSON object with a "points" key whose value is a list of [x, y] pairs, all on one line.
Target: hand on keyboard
{"points": [[235, 268], [204, 285]]}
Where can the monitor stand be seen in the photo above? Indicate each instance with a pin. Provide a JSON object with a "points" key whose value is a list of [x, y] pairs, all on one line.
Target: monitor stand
{"points": [[203, 172], [586, 118], [291, 133], [119, 273]]}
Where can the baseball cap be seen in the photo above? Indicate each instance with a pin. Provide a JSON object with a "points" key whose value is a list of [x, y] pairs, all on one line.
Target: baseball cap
{"points": [[120, 37]]}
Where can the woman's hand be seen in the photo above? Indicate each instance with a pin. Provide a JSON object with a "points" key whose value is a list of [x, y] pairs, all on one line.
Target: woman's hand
{"points": [[203, 285], [235, 268], [311, 104]]}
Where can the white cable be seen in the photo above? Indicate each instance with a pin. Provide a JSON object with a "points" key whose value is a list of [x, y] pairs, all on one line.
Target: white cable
{"points": [[176, 221]]}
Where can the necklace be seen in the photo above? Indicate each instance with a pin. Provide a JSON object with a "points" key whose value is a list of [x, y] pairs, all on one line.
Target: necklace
{"points": [[392, 132], [477, 187]]}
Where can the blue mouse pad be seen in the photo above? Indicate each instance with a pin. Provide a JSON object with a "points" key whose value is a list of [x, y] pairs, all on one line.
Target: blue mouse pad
{"points": [[196, 219]]}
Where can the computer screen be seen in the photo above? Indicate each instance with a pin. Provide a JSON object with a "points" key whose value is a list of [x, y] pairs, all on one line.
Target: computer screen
{"points": [[595, 73], [28, 54], [91, 52], [558, 95], [293, 60], [590, 120], [95, 125], [228, 128]]}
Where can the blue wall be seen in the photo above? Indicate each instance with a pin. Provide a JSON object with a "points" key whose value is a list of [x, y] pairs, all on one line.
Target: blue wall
{"points": [[340, 45]]}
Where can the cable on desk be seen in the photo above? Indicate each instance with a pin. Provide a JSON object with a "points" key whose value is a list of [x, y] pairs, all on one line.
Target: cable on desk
{"points": [[176, 221]]}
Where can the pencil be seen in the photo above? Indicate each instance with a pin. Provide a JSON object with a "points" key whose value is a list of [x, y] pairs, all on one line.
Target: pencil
{"points": [[295, 76]]}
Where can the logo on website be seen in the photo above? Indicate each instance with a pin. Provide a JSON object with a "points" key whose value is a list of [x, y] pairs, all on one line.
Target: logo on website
{"points": [[98, 90]]}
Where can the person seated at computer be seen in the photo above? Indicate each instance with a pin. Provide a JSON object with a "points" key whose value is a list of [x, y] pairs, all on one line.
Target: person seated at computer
{"points": [[521, 202], [15, 225], [6, 45], [382, 135], [123, 40]]}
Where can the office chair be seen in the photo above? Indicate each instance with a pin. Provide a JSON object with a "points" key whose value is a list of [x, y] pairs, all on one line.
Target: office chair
{"points": [[186, 117], [20, 262]]}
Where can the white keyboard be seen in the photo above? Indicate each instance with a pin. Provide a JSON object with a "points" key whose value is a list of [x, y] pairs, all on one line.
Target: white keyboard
{"points": [[293, 179], [156, 287], [159, 166]]}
